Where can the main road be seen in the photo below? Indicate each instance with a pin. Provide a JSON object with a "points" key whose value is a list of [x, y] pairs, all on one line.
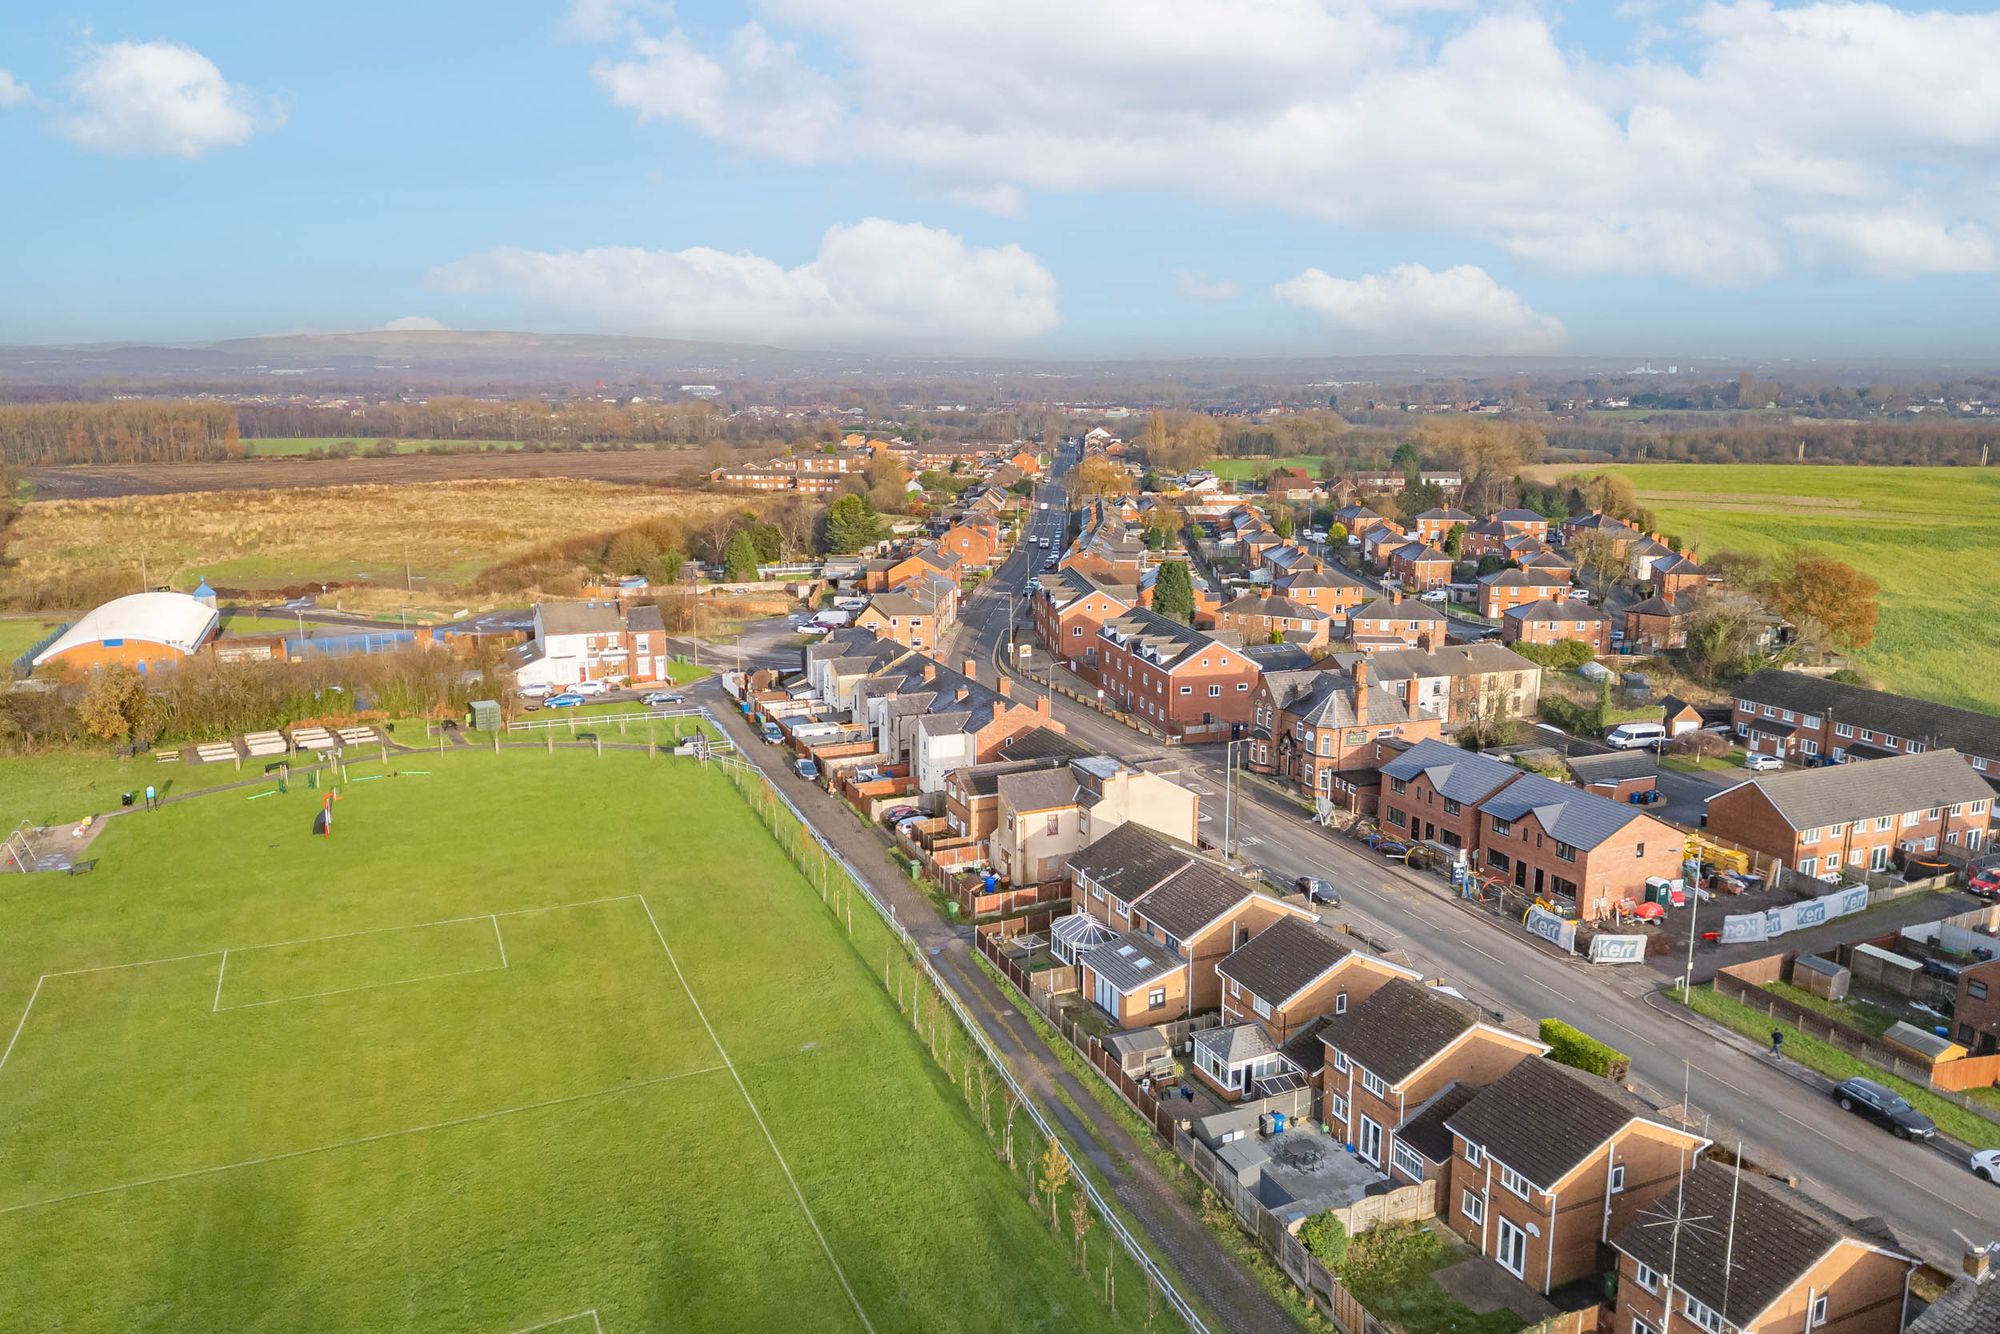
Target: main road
{"points": [[1780, 1111]]}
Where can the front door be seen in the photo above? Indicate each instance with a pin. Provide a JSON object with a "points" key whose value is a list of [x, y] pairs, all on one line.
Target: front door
{"points": [[1369, 1142], [1513, 1252], [1430, 831], [1520, 875]]}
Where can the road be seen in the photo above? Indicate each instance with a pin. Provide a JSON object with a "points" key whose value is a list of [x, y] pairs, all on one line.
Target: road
{"points": [[1778, 1108]]}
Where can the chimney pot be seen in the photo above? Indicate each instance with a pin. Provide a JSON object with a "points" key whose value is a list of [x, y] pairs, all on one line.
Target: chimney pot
{"points": [[1978, 1262], [1396, 597]]}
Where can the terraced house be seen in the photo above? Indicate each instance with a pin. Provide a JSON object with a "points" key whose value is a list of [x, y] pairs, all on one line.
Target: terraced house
{"points": [[1432, 793], [1069, 608], [1185, 683], [1312, 726], [1860, 816], [1578, 849], [1804, 718]]}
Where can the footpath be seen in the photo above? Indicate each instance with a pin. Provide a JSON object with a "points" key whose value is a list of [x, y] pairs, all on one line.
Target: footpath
{"points": [[1205, 1269]]}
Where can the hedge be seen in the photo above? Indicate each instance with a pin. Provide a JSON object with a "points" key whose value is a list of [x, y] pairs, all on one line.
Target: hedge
{"points": [[1572, 1046]]}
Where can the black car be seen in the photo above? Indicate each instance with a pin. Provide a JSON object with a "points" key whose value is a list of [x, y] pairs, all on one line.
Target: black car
{"points": [[1318, 891], [1865, 1097]]}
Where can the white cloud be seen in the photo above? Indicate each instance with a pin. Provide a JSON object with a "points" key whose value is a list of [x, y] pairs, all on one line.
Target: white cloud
{"points": [[1690, 157], [874, 283], [414, 324], [12, 91], [1414, 309], [160, 97], [1201, 287], [601, 20]]}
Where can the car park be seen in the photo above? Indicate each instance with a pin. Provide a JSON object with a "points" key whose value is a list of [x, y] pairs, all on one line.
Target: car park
{"points": [[1885, 1107], [1985, 1164], [567, 700], [1759, 763]]}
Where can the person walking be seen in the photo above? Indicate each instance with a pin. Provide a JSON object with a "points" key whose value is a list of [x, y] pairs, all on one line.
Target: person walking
{"points": [[1777, 1041]]}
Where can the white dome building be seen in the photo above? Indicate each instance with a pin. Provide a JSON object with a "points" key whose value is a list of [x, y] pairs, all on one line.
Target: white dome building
{"points": [[146, 631]]}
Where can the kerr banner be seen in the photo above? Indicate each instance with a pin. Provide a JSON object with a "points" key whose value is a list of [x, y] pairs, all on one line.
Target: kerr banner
{"points": [[1558, 931], [1751, 927], [1618, 949]]}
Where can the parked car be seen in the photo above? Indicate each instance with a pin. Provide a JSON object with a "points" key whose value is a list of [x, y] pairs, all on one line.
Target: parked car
{"points": [[1437, 595], [806, 769], [1759, 763], [897, 814], [1635, 736], [1318, 891], [1986, 884], [659, 697], [569, 699], [537, 691], [1985, 1164], [772, 733], [1881, 1104], [588, 688]]}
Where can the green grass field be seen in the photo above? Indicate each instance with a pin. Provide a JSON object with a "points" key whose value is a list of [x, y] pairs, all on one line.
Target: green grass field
{"points": [[531, 1037], [1930, 535], [269, 447], [18, 634], [1258, 468]]}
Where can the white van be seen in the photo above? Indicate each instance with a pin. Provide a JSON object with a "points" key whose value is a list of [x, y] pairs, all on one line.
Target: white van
{"points": [[1635, 736]]}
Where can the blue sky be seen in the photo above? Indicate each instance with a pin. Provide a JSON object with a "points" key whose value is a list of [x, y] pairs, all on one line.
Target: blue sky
{"points": [[1173, 176]]}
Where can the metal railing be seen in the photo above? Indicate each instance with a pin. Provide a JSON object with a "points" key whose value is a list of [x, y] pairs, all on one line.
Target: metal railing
{"points": [[571, 719]]}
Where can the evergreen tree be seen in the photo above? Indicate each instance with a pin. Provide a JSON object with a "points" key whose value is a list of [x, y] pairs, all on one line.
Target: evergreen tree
{"points": [[739, 558], [1173, 591], [851, 524]]}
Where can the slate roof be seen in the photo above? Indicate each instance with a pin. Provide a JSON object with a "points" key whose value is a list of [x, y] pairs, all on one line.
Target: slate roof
{"points": [[1567, 814], [1040, 743], [1326, 699], [1401, 1026], [1383, 609], [1172, 643], [1303, 1048], [1556, 609], [1039, 789], [1460, 775], [1937, 725], [1519, 516], [1448, 516], [1614, 767], [1542, 1119], [1131, 859], [1656, 606], [1523, 579], [1450, 660], [1318, 579], [1425, 1132], [1192, 898], [1283, 958], [1778, 1237], [1839, 793], [645, 617], [1965, 1308], [1131, 961], [580, 618], [983, 780], [1252, 605]]}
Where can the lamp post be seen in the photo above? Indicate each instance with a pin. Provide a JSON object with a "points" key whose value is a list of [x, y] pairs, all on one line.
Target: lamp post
{"points": [[1229, 800], [1694, 916]]}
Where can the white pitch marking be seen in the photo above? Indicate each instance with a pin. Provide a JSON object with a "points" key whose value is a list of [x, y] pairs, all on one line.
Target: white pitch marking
{"points": [[358, 1140], [498, 941], [751, 1103], [590, 1315], [24, 1020], [220, 970], [365, 986]]}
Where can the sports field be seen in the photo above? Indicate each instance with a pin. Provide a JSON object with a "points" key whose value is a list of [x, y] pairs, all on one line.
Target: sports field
{"points": [[1257, 468], [532, 1038], [1931, 536]]}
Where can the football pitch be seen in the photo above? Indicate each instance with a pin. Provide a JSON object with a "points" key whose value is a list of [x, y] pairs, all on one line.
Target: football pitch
{"points": [[532, 1041]]}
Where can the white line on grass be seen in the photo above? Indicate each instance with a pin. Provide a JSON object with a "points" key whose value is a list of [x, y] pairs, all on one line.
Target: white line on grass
{"points": [[360, 1140], [497, 940], [223, 968], [751, 1103], [365, 986], [590, 1315], [24, 1020]]}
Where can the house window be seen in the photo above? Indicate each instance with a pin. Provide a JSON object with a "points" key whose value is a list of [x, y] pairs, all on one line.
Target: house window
{"points": [[1340, 1109], [1398, 786], [1882, 824], [1214, 691], [1514, 1181], [1502, 827], [1396, 816], [1261, 1006], [1055, 824], [1647, 1277], [1187, 690], [1809, 865], [1156, 999], [1475, 1154], [1809, 836], [1642, 1326], [1340, 1001], [1373, 1083], [1701, 1315], [1564, 852], [1472, 1207], [1617, 1178], [1242, 686], [1407, 1161], [1976, 990], [1843, 729], [1835, 830], [1451, 807], [1340, 1061], [1819, 1312]]}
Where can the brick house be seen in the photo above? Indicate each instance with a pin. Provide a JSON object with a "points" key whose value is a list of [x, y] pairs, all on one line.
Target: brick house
{"points": [[1487, 539], [1657, 623], [1619, 775], [1552, 622], [1564, 844], [899, 572], [1733, 1250], [1295, 971], [1389, 1055], [1328, 592], [1505, 589], [586, 641], [1115, 871], [1432, 791], [1261, 618], [1135, 979], [1359, 519], [1395, 622], [977, 545], [1433, 526], [1419, 566], [1976, 1013], [1616, 531], [902, 618], [1291, 485], [1045, 815], [1523, 523], [972, 794], [1175, 677], [1310, 726], [1548, 1164], [1069, 607], [1677, 574], [1857, 815], [1453, 681], [1792, 715]]}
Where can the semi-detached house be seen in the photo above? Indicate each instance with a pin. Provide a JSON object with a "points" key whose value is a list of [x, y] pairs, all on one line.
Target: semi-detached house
{"points": [[1574, 847], [1186, 683], [592, 641], [1432, 792]]}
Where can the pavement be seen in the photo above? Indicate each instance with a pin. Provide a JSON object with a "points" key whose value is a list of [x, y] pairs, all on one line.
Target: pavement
{"points": [[1927, 1194]]}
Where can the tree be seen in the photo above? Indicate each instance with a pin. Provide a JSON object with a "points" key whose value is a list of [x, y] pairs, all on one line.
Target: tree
{"points": [[1598, 555], [1098, 477], [1284, 524], [1414, 500], [1173, 591], [1325, 1236], [1177, 441], [1454, 542], [1488, 450], [631, 552], [851, 524], [1409, 462], [1055, 1175], [1336, 534], [1698, 745], [739, 559], [1722, 636], [667, 569], [115, 705], [1835, 594], [1488, 722], [768, 540]]}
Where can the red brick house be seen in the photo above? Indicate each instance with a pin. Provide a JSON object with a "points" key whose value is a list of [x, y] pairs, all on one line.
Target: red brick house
{"points": [[1295, 971], [1578, 850], [1069, 607], [1976, 1014], [977, 545], [1358, 519], [1656, 623], [1433, 526], [1795, 716], [1432, 791], [1863, 816], [902, 618], [1552, 622], [1312, 726], [1328, 592], [1417, 566], [1180, 680], [1260, 618], [1503, 590], [1548, 1164], [1396, 622]]}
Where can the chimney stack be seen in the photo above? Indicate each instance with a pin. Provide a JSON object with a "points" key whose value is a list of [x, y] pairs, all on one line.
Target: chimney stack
{"points": [[1396, 597], [1978, 1263], [1042, 705], [930, 671], [972, 669], [1361, 691], [1005, 685]]}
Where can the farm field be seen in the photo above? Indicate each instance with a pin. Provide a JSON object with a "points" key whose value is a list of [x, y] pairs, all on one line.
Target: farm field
{"points": [[359, 534], [1256, 468], [282, 447], [607, 1060], [1930, 535]]}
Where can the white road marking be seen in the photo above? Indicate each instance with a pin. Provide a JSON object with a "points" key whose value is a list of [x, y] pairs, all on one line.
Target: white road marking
{"points": [[1546, 987], [1719, 1079], [1622, 1029], [1476, 950]]}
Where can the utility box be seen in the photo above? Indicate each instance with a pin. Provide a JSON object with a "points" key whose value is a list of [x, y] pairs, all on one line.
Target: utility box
{"points": [[485, 715]]}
